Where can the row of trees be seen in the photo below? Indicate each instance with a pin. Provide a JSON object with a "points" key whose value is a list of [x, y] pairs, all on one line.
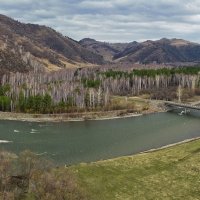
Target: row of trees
{"points": [[87, 88], [153, 72]]}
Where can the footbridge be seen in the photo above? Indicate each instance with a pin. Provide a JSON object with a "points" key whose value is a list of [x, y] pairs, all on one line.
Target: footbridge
{"points": [[194, 106]]}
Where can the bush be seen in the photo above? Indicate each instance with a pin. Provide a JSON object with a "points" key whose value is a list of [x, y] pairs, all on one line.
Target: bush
{"points": [[28, 176]]}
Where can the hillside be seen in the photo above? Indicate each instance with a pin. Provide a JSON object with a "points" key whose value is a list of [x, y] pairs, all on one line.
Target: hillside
{"points": [[160, 51], [27, 46]]}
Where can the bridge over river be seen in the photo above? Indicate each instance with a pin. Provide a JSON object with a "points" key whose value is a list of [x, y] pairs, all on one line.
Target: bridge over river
{"points": [[194, 106]]}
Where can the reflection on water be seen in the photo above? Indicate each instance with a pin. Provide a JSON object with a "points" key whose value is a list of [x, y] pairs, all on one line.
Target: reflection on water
{"points": [[188, 112], [74, 142]]}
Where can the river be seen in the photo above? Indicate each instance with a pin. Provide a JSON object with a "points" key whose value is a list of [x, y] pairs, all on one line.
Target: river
{"points": [[75, 142]]}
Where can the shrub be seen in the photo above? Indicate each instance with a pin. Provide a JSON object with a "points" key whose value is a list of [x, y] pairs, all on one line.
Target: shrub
{"points": [[28, 176]]}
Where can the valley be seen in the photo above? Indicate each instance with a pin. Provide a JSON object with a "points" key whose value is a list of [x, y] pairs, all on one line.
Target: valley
{"points": [[88, 119]]}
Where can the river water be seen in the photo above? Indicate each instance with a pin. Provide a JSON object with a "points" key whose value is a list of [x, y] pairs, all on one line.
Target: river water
{"points": [[75, 142]]}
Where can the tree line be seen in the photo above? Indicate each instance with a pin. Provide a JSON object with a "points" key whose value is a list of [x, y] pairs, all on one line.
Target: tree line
{"points": [[88, 88]]}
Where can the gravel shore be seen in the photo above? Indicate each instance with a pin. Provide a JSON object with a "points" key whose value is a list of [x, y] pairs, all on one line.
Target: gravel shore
{"points": [[102, 115]]}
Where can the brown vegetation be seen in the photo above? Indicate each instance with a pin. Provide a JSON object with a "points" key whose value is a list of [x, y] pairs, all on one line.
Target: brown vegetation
{"points": [[40, 43], [28, 176]]}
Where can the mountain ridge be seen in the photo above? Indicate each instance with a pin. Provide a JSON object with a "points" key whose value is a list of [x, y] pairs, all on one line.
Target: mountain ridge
{"points": [[158, 51], [43, 45], [26, 47]]}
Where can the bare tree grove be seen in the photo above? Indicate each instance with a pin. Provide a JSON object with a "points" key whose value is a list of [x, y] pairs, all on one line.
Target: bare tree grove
{"points": [[88, 87]]}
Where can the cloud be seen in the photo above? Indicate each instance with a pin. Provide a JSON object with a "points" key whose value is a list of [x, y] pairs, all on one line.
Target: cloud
{"points": [[96, 4], [111, 20]]}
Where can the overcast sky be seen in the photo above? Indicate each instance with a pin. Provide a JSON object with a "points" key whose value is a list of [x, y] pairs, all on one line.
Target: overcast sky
{"points": [[111, 20]]}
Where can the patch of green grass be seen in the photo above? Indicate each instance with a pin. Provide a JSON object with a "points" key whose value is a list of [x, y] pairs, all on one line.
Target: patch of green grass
{"points": [[172, 173]]}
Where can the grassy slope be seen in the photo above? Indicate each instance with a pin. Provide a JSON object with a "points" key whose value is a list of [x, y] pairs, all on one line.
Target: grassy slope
{"points": [[172, 173]]}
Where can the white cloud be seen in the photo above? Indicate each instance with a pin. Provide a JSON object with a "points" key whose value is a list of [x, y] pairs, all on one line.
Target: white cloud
{"points": [[111, 20], [15, 1], [96, 4]]}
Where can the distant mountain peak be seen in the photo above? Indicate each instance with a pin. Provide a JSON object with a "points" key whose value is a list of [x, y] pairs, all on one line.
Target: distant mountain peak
{"points": [[175, 41], [105, 49], [87, 40]]}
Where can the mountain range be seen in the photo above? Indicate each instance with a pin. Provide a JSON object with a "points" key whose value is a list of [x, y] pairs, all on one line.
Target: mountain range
{"points": [[24, 47], [159, 51]]}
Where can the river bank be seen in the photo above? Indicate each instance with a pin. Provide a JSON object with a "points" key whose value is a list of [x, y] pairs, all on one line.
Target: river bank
{"points": [[173, 145], [65, 117], [170, 173], [130, 107]]}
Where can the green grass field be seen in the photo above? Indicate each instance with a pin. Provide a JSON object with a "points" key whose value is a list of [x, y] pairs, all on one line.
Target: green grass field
{"points": [[171, 173]]}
